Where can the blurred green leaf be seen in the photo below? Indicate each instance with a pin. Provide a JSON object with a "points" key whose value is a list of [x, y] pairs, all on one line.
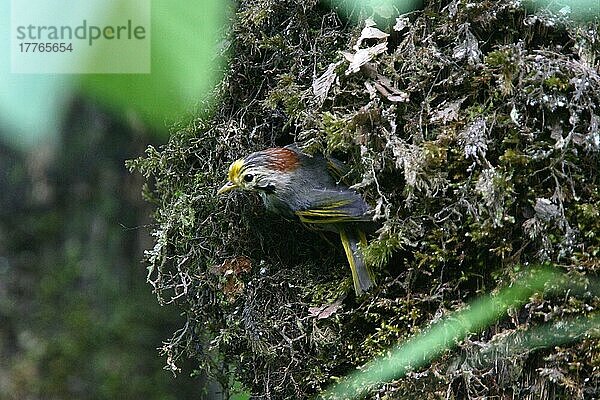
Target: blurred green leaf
{"points": [[381, 8], [29, 104], [443, 335], [185, 66], [576, 9]]}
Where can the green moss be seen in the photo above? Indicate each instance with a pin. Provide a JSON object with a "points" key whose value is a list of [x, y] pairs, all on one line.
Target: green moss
{"points": [[339, 132], [378, 253], [557, 83], [286, 94], [514, 159], [497, 58]]}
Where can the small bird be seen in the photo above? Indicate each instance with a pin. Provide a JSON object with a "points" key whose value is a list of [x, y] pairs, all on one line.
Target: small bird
{"points": [[298, 186]]}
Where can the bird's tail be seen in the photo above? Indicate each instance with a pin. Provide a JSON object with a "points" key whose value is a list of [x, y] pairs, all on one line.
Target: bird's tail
{"points": [[361, 274]]}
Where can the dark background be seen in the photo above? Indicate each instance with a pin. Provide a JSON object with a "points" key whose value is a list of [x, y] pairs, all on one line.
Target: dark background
{"points": [[77, 318]]}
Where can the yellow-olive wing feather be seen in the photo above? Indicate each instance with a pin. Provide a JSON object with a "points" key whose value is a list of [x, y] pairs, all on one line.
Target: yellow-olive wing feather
{"points": [[334, 206], [337, 169]]}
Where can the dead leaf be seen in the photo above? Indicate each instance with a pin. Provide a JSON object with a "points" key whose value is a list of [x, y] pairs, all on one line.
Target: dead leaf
{"points": [[363, 56], [468, 48], [369, 32], [401, 23], [447, 111], [322, 84], [325, 310], [233, 288], [370, 89], [235, 266], [389, 91]]}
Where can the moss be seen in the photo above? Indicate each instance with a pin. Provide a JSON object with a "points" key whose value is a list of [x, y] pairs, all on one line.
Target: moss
{"points": [[339, 132], [287, 95]]}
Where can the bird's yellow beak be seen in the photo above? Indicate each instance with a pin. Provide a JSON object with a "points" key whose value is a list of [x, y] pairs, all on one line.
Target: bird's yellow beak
{"points": [[233, 176], [227, 187]]}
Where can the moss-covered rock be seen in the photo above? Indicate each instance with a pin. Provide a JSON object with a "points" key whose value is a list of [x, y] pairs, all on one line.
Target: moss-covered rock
{"points": [[472, 130]]}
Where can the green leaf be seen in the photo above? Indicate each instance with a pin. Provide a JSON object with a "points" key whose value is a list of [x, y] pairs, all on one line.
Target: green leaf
{"points": [[185, 64], [185, 67]]}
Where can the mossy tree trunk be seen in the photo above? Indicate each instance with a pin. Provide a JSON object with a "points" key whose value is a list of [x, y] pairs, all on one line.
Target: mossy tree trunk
{"points": [[471, 129]]}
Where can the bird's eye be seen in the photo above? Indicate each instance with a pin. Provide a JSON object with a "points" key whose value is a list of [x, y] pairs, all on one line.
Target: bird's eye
{"points": [[248, 178]]}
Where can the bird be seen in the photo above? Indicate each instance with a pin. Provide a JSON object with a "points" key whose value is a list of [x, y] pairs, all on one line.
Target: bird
{"points": [[307, 188]]}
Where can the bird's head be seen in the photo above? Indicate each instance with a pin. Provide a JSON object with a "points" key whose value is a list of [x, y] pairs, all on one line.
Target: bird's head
{"points": [[264, 170]]}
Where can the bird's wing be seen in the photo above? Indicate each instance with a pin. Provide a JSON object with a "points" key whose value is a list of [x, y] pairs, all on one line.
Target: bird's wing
{"points": [[334, 206], [337, 169]]}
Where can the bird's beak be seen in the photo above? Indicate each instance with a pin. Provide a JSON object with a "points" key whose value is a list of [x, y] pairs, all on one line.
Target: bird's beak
{"points": [[227, 187]]}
